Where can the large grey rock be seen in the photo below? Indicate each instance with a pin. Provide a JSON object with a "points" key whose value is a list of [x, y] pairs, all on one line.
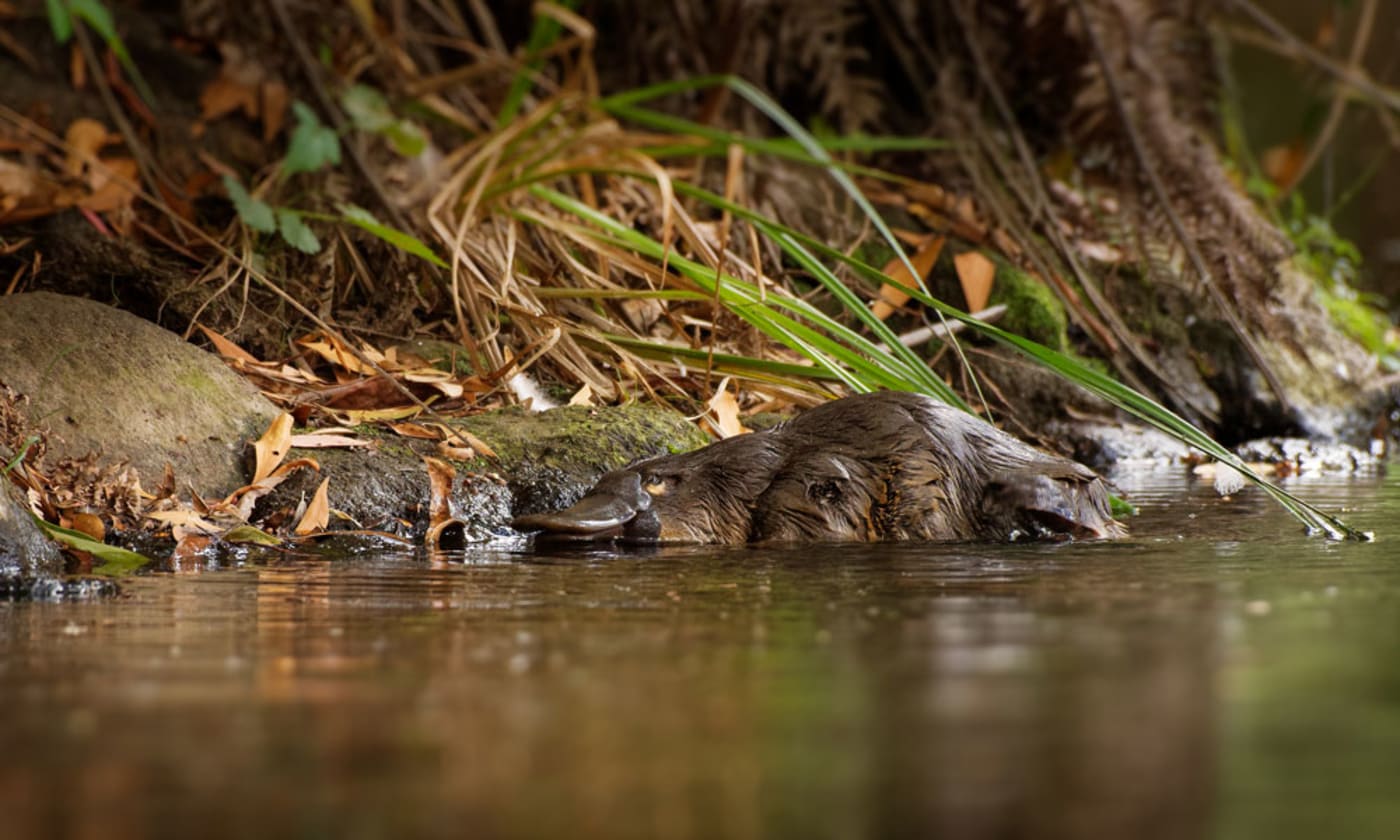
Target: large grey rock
{"points": [[102, 380]]}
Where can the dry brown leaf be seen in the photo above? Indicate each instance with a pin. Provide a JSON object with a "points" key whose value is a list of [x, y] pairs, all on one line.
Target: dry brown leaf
{"points": [[227, 348], [583, 396], [976, 274], [272, 447], [457, 453], [337, 353], [416, 430], [113, 185], [1281, 164], [440, 477], [225, 95], [358, 416], [457, 433], [923, 260], [28, 194], [243, 499], [87, 523], [274, 109], [84, 139], [318, 511], [724, 412]]}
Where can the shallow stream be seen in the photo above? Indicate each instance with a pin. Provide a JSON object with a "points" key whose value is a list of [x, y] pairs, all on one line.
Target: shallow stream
{"points": [[1217, 675]]}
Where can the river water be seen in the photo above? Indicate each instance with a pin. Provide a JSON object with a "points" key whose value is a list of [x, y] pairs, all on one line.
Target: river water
{"points": [[1217, 675]]}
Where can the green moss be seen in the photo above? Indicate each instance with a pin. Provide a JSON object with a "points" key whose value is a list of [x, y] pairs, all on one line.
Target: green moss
{"points": [[1032, 310], [578, 435], [198, 381]]}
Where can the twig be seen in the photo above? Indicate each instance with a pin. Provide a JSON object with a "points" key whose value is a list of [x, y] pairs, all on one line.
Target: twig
{"points": [[1338, 106], [1292, 45], [991, 315]]}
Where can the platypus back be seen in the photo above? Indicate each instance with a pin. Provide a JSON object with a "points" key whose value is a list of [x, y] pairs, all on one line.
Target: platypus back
{"points": [[875, 467]]}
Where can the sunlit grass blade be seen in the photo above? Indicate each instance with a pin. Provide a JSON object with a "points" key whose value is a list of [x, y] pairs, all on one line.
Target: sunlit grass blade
{"points": [[871, 366], [622, 102]]}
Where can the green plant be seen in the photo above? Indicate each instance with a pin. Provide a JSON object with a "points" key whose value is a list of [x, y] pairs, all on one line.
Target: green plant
{"points": [[314, 146]]}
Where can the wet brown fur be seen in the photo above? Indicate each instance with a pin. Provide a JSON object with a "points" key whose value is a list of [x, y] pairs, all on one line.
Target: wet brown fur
{"points": [[878, 467]]}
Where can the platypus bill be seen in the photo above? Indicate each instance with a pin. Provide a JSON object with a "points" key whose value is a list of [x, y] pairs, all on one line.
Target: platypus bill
{"points": [[877, 467]]}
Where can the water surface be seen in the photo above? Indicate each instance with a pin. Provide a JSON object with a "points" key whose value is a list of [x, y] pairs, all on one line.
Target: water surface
{"points": [[1217, 675]]}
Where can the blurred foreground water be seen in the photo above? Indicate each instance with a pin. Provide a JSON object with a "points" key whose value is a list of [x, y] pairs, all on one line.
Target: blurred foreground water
{"points": [[1219, 674]]}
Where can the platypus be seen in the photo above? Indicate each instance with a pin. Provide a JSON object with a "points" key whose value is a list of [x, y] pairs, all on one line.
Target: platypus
{"points": [[887, 466]]}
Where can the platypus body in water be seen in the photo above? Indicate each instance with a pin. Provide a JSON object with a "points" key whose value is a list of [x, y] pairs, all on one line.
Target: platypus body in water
{"points": [[877, 467]]}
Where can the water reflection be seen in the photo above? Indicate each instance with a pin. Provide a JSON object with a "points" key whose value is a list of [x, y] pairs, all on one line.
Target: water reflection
{"points": [[1218, 673]]}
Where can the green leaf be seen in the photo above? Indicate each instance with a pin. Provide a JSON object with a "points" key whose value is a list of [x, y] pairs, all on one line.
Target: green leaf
{"points": [[116, 561], [295, 231], [255, 213], [94, 14], [544, 32], [367, 108], [250, 534], [60, 21], [313, 146], [406, 138], [370, 111], [361, 218]]}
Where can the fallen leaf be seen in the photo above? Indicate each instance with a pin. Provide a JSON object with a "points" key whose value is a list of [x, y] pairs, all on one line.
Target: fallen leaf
{"points": [[416, 430], [112, 185], [976, 274], [923, 259], [83, 140], [250, 534], [440, 477], [459, 435], [318, 511], [272, 447], [583, 396], [244, 498], [337, 353], [358, 416], [1281, 164], [724, 412], [274, 109], [86, 523], [456, 453], [225, 95], [227, 348]]}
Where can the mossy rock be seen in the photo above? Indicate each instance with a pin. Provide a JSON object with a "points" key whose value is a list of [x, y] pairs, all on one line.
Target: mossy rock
{"points": [[102, 380], [545, 461], [1032, 310], [550, 458]]}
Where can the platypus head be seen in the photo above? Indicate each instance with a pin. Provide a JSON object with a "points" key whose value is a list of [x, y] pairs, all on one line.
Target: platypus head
{"points": [[703, 496]]}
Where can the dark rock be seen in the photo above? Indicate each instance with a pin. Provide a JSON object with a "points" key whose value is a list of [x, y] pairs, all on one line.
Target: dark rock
{"points": [[25, 553], [546, 460]]}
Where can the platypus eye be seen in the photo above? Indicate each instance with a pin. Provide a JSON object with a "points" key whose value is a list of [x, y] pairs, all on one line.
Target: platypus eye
{"points": [[824, 491], [657, 485]]}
